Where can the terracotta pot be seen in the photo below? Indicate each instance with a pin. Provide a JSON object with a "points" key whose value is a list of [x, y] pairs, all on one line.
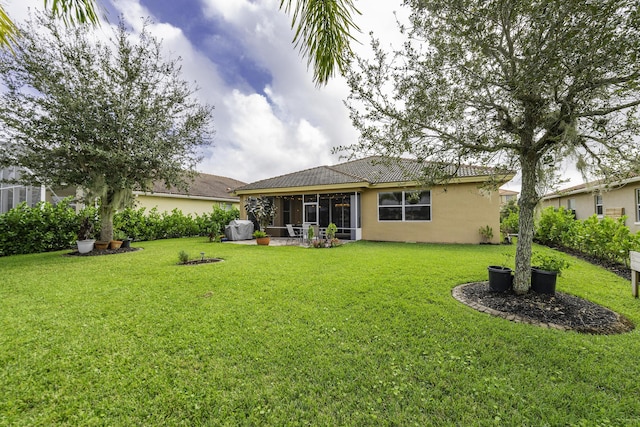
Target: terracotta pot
{"points": [[264, 241], [115, 244], [101, 246]]}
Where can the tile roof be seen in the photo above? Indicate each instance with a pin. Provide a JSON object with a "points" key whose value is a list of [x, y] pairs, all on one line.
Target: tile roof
{"points": [[204, 185], [588, 187], [370, 170]]}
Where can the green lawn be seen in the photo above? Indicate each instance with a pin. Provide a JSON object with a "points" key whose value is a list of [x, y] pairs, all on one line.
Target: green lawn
{"points": [[363, 334]]}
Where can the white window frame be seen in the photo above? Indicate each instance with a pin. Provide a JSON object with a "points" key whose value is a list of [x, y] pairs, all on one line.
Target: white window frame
{"points": [[598, 198], [637, 205], [405, 204]]}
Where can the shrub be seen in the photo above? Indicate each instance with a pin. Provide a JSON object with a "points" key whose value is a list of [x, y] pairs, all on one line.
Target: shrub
{"points": [[42, 228], [183, 257], [606, 239], [553, 224], [46, 227], [509, 225]]}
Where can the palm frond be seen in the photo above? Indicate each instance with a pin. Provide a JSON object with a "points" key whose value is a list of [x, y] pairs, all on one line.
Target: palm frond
{"points": [[323, 32]]}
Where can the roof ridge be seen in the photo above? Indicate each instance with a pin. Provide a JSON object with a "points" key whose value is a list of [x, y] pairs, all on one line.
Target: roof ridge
{"points": [[334, 169]]}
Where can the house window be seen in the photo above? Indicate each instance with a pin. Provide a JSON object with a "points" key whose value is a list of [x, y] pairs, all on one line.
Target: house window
{"points": [[638, 204], [598, 203], [571, 206], [404, 206]]}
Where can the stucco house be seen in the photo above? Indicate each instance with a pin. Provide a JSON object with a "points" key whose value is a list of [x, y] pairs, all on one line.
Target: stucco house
{"points": [[507, 195], [373, 200], [205, 192], [612, 200]]}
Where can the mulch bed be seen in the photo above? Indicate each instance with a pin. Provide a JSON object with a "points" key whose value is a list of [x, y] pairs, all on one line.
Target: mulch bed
{"points": [[200, 261], [559, 311], [96, 252], [616, 268]]}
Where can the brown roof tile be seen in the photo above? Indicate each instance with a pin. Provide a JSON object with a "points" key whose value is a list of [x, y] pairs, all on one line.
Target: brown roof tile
{"points": [[370, 170], [204, 185]]}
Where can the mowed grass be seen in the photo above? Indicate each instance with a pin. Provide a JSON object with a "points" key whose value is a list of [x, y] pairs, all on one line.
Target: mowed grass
{"points": [[363, 334]]}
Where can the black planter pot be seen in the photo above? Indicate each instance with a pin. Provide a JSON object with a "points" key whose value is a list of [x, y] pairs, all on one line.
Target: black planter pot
{"points": [[543, 281], [126, 243], [500, 278]]}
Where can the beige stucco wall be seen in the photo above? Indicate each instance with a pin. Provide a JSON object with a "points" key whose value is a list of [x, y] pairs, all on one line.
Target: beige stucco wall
{"points": [[457, 212], [186, 205], [622, 197]]}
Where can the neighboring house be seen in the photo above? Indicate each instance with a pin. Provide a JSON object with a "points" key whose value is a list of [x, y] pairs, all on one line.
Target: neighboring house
{"points": [[11, 195], [204, 193], [370, 200], [507, 195], [603, 200]]}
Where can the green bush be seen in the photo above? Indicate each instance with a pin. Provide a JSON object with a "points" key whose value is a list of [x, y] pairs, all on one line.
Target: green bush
{"points": [[606, 239], [42, 228], [509, 225], [46, 227], [553, 225]]}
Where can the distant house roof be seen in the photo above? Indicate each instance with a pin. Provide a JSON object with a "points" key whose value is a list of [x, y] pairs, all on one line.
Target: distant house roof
{"points": [[203, 186], [588, 187], [504, 192], [367, 171]]}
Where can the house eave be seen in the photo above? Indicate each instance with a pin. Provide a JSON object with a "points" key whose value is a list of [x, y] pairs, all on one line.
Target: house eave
{"points": [[304, 189], [187, 196], [591, 187]]}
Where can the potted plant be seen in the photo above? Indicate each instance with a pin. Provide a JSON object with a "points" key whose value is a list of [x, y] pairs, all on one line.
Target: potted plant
{"points": [[85, 233], [263, 210], [261, 238], [545, 272], [126, 242], [118, 240], [500, 276]]}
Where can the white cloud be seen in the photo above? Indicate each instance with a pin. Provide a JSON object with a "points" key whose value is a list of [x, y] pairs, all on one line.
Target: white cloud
{"points": [[287, 125]]}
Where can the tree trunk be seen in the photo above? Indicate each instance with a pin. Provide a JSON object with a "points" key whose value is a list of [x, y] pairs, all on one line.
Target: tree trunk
{"points": [[106, 220], [527, 202], [110, 202]]}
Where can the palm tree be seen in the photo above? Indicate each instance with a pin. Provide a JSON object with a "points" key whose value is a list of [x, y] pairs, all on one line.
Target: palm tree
{"points": [[70, 11], [323, 31]]}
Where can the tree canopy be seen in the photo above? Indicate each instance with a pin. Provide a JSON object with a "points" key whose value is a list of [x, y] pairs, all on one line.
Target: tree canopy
{"points": [[518, 84], [107, 116]]}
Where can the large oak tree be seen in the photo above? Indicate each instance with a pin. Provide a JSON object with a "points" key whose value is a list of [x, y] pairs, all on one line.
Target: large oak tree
{"points": [[519, 84], [107, 116]]}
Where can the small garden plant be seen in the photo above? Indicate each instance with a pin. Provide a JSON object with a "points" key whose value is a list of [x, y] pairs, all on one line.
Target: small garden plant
{"points": [[486, 233], [183, 257], [549, 262]]}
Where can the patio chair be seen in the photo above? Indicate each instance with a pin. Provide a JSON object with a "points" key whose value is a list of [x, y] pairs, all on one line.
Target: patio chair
{"points": [[293, 234]]}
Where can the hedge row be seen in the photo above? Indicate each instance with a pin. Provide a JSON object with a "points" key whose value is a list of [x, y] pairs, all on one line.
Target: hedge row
{"points": [[138, 224], [606, 239], [43, 228]]}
